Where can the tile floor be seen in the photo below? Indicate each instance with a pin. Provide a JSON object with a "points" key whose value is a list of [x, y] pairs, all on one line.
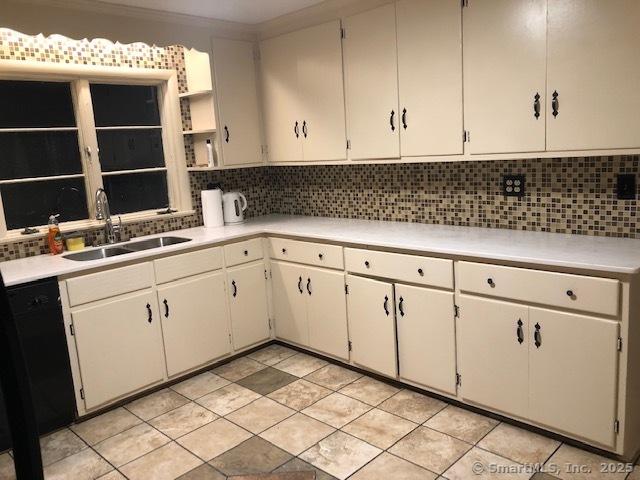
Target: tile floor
{"points": [[277, 410]]}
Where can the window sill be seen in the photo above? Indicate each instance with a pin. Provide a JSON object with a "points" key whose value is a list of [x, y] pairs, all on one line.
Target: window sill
{"points": [[83, 225]]}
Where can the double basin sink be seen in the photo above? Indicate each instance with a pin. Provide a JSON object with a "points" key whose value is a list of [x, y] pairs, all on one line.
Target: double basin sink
{"points": [[124, 248]]}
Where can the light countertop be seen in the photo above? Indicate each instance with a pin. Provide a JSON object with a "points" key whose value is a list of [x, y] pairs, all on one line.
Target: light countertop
{"points": [[600, 254]]}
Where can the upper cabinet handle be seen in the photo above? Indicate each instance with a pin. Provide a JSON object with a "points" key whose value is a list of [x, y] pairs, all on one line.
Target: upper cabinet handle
{"points": [[235, 288], [392, 121], [226, 134], [537, 336], [385, 305], [555, 103], [300, 284], [304, 128], [309, 285], [149, 313], [404, 118], [166, 308], [536, 106], [520, 332], [401, 306], [296, 130]]}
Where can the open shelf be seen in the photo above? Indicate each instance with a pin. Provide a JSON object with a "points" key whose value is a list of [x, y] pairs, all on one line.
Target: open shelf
{"points": [[199, 131], [198, 93]]}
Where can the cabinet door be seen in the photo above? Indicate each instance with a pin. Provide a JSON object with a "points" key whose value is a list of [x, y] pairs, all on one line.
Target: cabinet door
{"points": [[119, 345], [289, 302], [321, 92], [282, 119], [574, 373], [430, 77], [504, 70], [372, 326], [327, 312], [426, 337], [194, 322], [236, 91], [493, 361], [248, 304], [593, 67], [371, 84]]}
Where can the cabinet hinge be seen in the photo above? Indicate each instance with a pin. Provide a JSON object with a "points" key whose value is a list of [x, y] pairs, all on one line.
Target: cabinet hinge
{"points": [[265, 274], [264, 149], [230, 340], [466, 136], [348, 144], [343, 33], [269, 324], [620, 344], [82, 393], [72, 330], [465, 3], [346, 289], [456, 311], [350, 345], [458, 380], [616, 426]]}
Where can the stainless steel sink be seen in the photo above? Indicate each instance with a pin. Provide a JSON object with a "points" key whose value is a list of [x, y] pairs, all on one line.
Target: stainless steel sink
{"points": [[123, 249], [155, 243], [97, 254]]}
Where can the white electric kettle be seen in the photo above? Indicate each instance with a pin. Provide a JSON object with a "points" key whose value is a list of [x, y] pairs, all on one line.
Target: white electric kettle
{"points": [[233, 206]]}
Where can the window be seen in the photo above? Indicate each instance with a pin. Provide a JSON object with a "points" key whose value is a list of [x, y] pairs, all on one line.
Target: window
{"points": [[61, 140]]}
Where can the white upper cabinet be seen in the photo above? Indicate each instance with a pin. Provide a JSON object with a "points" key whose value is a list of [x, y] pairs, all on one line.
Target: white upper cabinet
{"points": [[236, 88], [303, 95], [430, 77], [371, 84], [505, 75], [594, 68]]}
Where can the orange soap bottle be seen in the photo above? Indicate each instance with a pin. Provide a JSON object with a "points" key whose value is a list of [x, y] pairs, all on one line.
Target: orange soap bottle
{"points": [[54, 237]]}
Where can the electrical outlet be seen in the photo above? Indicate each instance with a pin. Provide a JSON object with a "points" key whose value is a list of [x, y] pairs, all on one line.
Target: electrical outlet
{"points": [[513, 185], [626, 186]]}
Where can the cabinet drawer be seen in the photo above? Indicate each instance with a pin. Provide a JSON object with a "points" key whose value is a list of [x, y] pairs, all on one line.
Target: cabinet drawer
{"points": [[589, 294], [437, 272], [96, 286], [187, 264], [319, 254], [243, 252]]}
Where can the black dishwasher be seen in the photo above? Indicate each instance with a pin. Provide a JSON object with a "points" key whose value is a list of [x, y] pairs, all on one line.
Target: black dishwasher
{"points": [[38, 316]]}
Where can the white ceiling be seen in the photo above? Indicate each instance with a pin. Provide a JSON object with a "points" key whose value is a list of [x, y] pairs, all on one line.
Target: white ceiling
{"points": [[243, 11]]}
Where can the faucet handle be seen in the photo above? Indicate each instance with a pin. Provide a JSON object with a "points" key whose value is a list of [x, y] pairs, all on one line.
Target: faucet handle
{"points": [[117, 229]]}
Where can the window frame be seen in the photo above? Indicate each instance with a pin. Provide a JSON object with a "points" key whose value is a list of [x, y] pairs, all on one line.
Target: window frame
{"points": [[80, 78]]}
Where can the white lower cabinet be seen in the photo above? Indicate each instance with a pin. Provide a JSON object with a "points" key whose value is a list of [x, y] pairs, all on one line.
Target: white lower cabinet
{"points": [[289, 302], [119, 345], [372, 325], [194, 322], [426, 337], [247, 292]]}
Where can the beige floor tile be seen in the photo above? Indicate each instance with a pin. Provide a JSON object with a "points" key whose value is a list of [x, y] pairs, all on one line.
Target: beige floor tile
{"points": [[239, 368], [379, 428], [106, 425], [369, 391], [214, 439], [272, 354], [387, 466], [203, 472], [200, 385], [113, 475], [260, 415], [299, 466], [412, 405], [166, 463], [635, 475], [253, 456], [462, 424], [336, 410], [518, 444], [340, 454], [567, 459], [482, 465], [84, 465], [7, 471], [183, 420], [227, 399], [299, 394], [297, 433], [59, 445], [156, 404], [300, 364], [432, 450], [333, 377], [131, 444]]}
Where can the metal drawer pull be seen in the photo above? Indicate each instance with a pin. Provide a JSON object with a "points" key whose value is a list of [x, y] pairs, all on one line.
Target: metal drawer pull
{"points": [[520, 332], [421, 272], [284, 250], [386, 305], [320, 256], [491, 283], [367, 264], [300, 284], [149, 313], [571, 294], [309, 285], [235, 288], [246, 252], [538, 336], [401, 306], [166, 308]]}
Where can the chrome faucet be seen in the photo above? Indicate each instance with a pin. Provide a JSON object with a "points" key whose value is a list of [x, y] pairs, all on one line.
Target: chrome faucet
{"points": [[111, 231]]}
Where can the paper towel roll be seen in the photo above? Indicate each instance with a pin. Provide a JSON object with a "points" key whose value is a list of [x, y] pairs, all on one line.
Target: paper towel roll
{"points": [[212, 208]]}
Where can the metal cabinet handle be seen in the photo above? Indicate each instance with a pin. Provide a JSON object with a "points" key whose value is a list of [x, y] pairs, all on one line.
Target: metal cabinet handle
{"points": [[309, 285], [166, 308], [235, 288], [404, 118], [536, 105], [538, 336], [570, 293], [386, 305], [149, 314], [246, 252], [392, 121], [304, 128], [421, 272], [296, 130], [284, 250], [555, 104], [300, 284], [520, 332], [226, 134], [367, 264], [401, 306], [491, 282], [320, 256]]}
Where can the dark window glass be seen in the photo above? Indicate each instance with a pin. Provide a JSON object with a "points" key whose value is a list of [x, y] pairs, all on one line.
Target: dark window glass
{"points": [[130, 149], [35, 104], [137, 191], [31, 203], [122, 105], [39, 154]]}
